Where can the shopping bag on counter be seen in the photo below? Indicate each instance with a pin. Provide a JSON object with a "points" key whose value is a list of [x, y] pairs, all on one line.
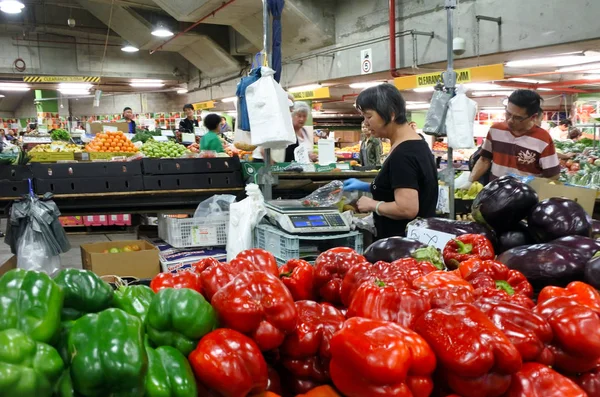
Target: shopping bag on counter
{"points": [[434, 121], [460, 120], [269, 113], [243, 218]]}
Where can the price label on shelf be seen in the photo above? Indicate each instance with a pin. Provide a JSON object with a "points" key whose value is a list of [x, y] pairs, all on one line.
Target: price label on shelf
{"points": [[429, 237], [204, 235], [160, 138]]}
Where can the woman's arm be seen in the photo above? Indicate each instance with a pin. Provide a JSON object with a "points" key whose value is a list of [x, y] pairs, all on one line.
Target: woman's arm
{"points": [[404, 206]]}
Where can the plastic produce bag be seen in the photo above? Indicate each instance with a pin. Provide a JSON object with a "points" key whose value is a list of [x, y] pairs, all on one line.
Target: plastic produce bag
{"points": [[434, 121], [325, 196], [269, 113], [214, 206], [243, 218], [33, 252], [460, 120], [462, 181]]}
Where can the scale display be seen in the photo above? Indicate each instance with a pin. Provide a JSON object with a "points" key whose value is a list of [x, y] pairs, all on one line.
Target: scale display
{"points": [[294, 217], [308, 220]]}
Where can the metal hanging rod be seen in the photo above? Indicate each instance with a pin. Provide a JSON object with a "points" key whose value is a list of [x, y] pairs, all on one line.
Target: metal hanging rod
{"points": [[491, 19]]}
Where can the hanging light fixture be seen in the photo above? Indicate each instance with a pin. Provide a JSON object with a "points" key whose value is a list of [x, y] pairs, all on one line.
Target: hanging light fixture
{"points": [[161, 31], [129, 48], [11, 6]]}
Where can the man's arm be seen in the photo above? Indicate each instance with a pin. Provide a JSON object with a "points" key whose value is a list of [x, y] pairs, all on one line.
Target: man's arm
{"points": [[481, 167]]}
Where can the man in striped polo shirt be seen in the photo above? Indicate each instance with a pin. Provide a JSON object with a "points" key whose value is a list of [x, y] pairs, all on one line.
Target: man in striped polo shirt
{"points": [[518, 146]]}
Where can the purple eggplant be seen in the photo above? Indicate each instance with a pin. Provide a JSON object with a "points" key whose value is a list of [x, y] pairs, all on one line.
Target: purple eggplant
{"points": [[392, 248], [584, 245], [512, 239], [546, 264], [591, 274], [503, 203], [595, 228], [455, 228], [558, 217]]}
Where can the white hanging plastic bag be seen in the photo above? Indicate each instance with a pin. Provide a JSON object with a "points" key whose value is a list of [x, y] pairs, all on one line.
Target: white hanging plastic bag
{"points": [[269, 114], [434, 121], [460, 120], [243, 218], [34, 254]]}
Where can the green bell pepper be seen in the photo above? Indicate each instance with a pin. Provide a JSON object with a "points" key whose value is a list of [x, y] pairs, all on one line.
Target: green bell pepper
{"points": [[179, 318], [108, 357], [62, 344], [31, 302], [85, 293], [64, 386], [169, 374], [134, 299], [27, 368]]}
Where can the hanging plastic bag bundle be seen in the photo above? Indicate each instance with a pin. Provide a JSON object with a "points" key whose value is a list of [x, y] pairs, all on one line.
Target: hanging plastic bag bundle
{"points": [[460, 120], [215, 206], [243, 218], [434, 121], [269, 113]]}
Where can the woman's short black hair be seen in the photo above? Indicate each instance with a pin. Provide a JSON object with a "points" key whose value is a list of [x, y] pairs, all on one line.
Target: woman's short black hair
{"points": [[529, 100], [386, 100], [212, 121], [188, 106], [566, 122]]}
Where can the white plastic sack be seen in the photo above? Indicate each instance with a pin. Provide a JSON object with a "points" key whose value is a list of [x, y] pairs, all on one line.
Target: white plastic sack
{"points": [[243, 218], [33, 254], [462, 181], [269, 112], [460, 120]]}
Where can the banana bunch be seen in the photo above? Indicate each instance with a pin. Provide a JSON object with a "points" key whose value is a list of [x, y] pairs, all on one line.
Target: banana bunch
{"points": [[468, 194], [57, 147]]}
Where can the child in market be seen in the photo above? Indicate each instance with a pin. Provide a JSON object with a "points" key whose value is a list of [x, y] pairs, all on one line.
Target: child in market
{"points": [[211, 141]]}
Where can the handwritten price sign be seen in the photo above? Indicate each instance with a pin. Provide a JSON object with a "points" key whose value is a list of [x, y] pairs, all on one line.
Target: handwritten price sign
{"points": [[429, 237]]}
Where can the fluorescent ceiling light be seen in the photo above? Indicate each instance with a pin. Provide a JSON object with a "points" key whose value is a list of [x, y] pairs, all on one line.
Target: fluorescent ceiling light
{"points": [[161, 31], [418, 106], [424, 89], [145, 81], [129, 48], [230, 99], [493, 108], [530, 81], [491, 93], [14, 87], [486, 87], [366, 84], [11, 6], [580, 68], [73, 91], [543, 89], [147, 84], [308, 87], [415, 102], [75, 86], [557, 61], [592, 77], [182, 91]]}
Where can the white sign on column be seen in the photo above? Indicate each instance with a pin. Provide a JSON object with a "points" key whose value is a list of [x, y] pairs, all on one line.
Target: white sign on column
{"points": [[366, 61]]}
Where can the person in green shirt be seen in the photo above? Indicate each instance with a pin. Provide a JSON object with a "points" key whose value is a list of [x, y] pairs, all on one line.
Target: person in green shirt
{"points": [[371, 149], [211, 140]]}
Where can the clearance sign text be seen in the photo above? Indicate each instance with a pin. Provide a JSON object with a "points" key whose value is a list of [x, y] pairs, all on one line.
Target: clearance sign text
{"points": [[470, 75]]}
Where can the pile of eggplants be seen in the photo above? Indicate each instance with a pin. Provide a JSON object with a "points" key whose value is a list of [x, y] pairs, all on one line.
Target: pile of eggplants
{"points": [[558, 217]]}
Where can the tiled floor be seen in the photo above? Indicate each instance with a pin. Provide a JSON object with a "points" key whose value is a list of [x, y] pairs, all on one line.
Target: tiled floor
{"points": [[73, 257]]}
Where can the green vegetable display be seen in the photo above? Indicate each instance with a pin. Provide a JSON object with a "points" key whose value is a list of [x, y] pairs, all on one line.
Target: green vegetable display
{"points": [[162, 149], [60, 135], [85, 292], [179, 318], [169, 374], [143, 135], [31, 302], [108, 356], [134, 300], [27, 368]]}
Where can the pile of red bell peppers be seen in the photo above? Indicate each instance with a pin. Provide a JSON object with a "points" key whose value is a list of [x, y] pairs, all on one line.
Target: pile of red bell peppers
{"points": [[340, 327]]}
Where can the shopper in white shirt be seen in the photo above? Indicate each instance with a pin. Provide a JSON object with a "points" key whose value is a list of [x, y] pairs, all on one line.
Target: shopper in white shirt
{"points": [[561, 131]]}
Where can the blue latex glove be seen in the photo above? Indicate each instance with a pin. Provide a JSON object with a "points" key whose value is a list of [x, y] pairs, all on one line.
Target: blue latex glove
{"points": [[353, 184]]}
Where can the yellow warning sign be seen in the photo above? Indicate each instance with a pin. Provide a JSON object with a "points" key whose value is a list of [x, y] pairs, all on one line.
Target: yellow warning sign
{"points": [[319, 93], [61, 79], [476, 74], [204, 105]]}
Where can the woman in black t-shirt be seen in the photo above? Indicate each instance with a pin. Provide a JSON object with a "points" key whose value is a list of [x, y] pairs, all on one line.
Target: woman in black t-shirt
{"points": [[407, 185]]}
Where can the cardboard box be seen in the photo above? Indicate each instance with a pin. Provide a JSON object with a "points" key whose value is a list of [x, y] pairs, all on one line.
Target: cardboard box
{"points": [[8, 265], [546, 188], [140, 264], [99, 127]]}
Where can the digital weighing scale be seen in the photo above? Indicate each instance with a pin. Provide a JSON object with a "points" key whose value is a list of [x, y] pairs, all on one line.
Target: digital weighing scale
{"points": [[295, 218]]}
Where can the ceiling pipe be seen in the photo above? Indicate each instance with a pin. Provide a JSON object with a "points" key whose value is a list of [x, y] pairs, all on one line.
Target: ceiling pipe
{"points": [[392, 22], [536, 86], [66, 42], [198, 22], [566, 83]]}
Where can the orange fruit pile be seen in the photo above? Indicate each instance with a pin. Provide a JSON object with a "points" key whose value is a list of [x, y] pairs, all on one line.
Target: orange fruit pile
{"points": [[111, 142]]}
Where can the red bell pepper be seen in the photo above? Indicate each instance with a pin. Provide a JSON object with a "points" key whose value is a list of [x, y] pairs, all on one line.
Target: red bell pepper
{"points": [[501, 294], [321, 391], [176, 280], [590, 382], [529, 332], [261, 259], [363, 272], [444, 297], [441, 279], [378, 301], [331, 268], [466, 247], [259, 305], [214, 275], [413, 269], [372, 358], [538, 380], [229, 363], [576, 342], [475, 357], [299, 277], [306, 373], [582, 293], [509, 280]]}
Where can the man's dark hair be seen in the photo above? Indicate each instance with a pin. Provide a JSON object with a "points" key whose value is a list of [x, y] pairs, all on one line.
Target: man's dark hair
{"points": [[575, 133], [529, 100], [126, 109], [188, 106], [386, 100], [212, 121], [566, 122]]}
